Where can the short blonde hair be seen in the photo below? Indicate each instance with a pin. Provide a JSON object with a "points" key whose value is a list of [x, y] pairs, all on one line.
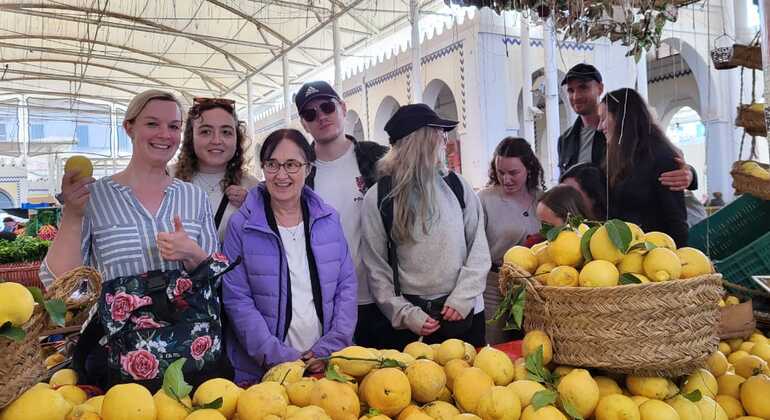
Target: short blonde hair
{"points": [[139, 101]]}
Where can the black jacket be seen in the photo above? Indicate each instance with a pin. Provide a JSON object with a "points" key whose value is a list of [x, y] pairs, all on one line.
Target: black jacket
{"points": [[367, 155], [640, 198], [569, 147]]}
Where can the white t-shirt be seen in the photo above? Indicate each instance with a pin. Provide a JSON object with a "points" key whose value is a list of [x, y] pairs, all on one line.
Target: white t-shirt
{"points": [[340, 184], [305, 328]]}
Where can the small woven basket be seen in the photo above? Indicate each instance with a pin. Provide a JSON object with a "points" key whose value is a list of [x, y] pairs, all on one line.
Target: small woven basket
{"points": [[747, 184], [752, 121], [26, 273], [654, 329], [737, 55], [21, 362]]}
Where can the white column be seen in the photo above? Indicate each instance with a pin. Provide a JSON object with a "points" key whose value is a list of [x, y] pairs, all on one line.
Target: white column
{"points": [[764, 21], [414, 15], [743, 32], [528, 129], [641, 76], [250, 109], [337, 53], [551, 104], [286, 95]]}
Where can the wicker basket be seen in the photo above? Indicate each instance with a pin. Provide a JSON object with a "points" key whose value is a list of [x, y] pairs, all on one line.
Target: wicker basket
{"points": [[654, 329], [26, 273], [21, 362], [747, 184], [752, 121], [736, 55]]}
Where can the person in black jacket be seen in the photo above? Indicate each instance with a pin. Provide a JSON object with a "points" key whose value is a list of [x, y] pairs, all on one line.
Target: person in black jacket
{"points": [[638, 152], [344, 170], [583, 143]]}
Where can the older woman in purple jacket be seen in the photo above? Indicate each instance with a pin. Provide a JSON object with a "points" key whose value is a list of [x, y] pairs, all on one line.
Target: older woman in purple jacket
{"points": [[294, 295]]}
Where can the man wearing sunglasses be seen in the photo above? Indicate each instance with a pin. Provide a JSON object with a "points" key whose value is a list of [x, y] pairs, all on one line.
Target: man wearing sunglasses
{"points": [[344, 169]]}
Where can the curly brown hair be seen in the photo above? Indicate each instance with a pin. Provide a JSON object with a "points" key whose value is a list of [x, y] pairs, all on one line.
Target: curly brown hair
{"points": [[520, 148], [187, 165]]}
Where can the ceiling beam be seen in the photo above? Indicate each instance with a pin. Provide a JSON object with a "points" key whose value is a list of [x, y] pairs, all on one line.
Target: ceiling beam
{"points": [[261, 26], [23, 8], [167, 61], [296, 43], [68, 79], [361, 21], [48, 92]]}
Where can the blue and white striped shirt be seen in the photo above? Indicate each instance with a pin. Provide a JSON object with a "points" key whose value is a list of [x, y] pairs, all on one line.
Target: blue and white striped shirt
{"points": [[119, 234]]}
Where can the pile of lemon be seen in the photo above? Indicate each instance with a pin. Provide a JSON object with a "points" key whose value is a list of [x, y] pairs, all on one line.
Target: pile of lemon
{"points": [[447, 381], [650, 257]]}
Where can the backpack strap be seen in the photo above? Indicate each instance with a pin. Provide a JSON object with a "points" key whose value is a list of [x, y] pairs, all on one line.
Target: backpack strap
{"points": [[385, 204]]}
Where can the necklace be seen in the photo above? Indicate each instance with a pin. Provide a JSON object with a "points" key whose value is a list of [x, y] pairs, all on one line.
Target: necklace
{"points": [[294, 231], [208, 186]]}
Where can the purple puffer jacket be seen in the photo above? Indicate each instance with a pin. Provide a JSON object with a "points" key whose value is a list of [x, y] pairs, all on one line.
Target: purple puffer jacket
{"points": [[255, 292]]}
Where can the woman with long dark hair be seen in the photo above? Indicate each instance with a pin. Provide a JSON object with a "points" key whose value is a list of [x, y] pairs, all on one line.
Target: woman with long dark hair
{"points": [[638, 152], [509, 202], [589, 180]]}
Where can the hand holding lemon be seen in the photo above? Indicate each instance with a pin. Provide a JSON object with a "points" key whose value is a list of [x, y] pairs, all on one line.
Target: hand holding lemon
{"points": [[78, 172]]}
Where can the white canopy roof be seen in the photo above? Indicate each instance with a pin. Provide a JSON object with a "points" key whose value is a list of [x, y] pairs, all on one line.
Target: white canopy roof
{"points": [[111, 49]]}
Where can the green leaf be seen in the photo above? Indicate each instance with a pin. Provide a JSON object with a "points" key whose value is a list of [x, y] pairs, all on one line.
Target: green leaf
{"points": [[619, 234], [643, 246], [545, 228], [333, 375], [174, 384], [373, 412], [535, 368], [37, 294], [57, 310], [694, 396], [575, 221], [543, 398], [14, 333], [649, 246], [585, 244], [391, 363], [554, 233], [571, 410], [628, 278], [214, 405], [518, 308]]}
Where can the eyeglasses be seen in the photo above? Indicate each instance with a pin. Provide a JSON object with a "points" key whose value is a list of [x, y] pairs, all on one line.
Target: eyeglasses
{"points": [[291, 166], [310, 114]]}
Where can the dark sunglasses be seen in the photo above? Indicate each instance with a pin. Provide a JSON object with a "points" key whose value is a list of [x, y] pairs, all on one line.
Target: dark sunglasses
{"points": [[310, 114]]}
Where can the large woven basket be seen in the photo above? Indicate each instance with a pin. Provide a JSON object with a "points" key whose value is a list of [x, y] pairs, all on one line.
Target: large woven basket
{"points": [[21, 362], [747, 184], [654, 329]]}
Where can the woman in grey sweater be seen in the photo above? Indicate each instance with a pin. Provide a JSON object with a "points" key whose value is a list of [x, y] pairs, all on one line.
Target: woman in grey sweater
{"points": [[427, 272]]}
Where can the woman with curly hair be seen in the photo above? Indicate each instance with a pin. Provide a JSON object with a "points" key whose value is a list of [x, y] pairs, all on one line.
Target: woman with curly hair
{"points": [[212, 157], [509, 202]]}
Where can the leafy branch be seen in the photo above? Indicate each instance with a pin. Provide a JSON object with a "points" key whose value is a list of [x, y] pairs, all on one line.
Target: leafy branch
{"points": [[511, 309], [175, 386]]}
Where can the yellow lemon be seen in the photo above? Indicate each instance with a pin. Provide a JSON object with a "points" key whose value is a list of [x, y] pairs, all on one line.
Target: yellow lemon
{"points": [[470, 353], [452, 369], [499, 403], [299, 392], [631, 263], [225, 389], [731, 405], [686, 409], [405, 359], [80, 165], [64, 377], [563, 275], [717, 364], [168, 408], [565, 249], [128, 402], [725, 348], [440, 410], [662, 264], [762, 350], [37, 404], [267, 398], [389, 391], [313, 412], [84, 412], [419, 350], [543, 273], [754, 396], [750, 365], [496, 364], [703, 381], [616, 407], [737, 355], [541, 252], [96, 402], [579, 389], [450, 349], [649, 386], [521, 257], [730, 384], [427, 379], [735, 343], [657, 410], [694, 262], [525, 390], [710, 410], [520, 369], [285, 373], [602, 247], [470, 385], [661, 240], [548, 412], [746, 346], [732, 300], [363, 360], [607, 386], [599, 273], [73, 394], [207, 414], [533, 340], [637, 235], [639, 400], [16, 304]]}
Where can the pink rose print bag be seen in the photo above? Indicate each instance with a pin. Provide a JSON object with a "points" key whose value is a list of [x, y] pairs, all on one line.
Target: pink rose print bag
{"points": [[152, 319]]}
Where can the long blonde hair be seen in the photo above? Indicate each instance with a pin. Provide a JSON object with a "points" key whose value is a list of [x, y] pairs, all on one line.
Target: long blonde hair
{"points": [[413, 163]]}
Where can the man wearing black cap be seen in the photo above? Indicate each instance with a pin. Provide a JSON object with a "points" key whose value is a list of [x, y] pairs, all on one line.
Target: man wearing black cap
{"points": [[345, 168], [584, 143]]}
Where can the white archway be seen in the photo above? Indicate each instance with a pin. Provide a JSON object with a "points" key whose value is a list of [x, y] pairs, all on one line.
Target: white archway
{"points": [[684, 127], [353, 125], [387, 108], [6, 201], [439, 96]]}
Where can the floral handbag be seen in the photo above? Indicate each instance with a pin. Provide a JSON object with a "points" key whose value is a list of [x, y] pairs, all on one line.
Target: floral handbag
{"points": [[152, 319]]}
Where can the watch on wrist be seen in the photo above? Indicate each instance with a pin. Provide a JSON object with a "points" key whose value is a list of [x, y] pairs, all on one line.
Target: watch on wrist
{"points": [[60, 198]]}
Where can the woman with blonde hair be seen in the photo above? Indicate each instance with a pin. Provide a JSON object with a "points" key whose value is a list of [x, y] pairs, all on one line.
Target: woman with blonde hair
{"points": [[424, 244]]}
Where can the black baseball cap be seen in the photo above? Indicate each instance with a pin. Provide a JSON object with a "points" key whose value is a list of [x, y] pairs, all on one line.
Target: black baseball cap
{"points": [[582, 71], [314, 90], [409, 118]]}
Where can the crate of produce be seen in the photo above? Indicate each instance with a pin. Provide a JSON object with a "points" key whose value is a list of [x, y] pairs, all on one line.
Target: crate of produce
{"points": [[753, 259], [21, 362], [731, 228], [666, 328]]}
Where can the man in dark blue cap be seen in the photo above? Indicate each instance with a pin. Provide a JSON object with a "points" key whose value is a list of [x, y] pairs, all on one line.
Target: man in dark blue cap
{"points": [[344, 169], [584, 143]]}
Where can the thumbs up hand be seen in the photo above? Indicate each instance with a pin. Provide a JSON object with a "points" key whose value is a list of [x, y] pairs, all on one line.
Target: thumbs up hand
{"points": [[177, 246]]}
